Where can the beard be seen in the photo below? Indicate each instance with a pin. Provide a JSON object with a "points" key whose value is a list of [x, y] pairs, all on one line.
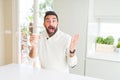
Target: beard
{"points": [[51, 30]]}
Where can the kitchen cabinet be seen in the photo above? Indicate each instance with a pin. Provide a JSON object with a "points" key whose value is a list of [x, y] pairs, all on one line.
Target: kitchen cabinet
{"points": [[105, 69]]}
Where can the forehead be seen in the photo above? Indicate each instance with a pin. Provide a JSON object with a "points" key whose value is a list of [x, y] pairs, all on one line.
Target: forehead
{"points": [[50, 17]]}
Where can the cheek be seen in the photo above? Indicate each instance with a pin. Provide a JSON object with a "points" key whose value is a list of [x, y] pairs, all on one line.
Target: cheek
{"points": [[46, 25], [56, 25]]}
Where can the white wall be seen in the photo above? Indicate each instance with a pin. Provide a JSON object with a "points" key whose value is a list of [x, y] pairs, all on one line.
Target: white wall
{"points": [[73, 15]]}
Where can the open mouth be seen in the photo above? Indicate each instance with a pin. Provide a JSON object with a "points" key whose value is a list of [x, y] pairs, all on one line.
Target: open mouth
{"points": [[51, 29]]}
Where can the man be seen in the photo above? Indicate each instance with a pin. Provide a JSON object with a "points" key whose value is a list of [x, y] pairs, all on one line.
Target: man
{"points": [[56, 49]]}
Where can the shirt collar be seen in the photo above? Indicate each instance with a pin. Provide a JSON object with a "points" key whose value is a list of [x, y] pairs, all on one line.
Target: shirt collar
{"points": [[55, 35]]}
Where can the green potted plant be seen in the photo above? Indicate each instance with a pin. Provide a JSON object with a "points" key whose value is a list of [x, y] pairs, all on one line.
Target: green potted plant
{"points": [[99, 40], [105, 44], [109, 40], [118, 46]]}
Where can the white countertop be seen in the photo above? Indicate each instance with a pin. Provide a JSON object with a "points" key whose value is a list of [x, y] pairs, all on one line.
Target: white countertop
{"points": [[25, 72], [104, 56]]}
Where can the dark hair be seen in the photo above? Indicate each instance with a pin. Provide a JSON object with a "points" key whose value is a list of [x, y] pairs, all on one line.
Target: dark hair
{"points": [[50, 13]]}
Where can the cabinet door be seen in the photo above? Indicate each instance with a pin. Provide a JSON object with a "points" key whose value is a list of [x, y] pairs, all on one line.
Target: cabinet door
{"points": [[107, 8], [1, 34], [103, 69]]}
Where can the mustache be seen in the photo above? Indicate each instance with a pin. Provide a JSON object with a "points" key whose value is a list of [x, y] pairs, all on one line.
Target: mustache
{"points": [[51, 27]]}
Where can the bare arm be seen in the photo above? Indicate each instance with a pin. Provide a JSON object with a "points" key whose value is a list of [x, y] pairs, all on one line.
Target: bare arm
{"points": [[73, 44], [32, 53], [34, 42], [72, 58]]}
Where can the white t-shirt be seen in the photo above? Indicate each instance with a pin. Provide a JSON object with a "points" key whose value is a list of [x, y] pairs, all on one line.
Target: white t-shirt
{"points": [[54, 53]]}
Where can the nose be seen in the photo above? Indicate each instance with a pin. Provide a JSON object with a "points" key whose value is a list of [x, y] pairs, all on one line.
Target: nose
{"points": [[51, 22]]}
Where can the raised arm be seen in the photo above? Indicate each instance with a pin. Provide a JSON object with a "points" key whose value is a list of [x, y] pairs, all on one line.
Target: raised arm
{"points": [[34, 39], [73, 44]]}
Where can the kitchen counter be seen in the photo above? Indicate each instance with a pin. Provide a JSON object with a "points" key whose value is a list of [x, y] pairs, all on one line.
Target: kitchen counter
{"points": [[25, 72]]}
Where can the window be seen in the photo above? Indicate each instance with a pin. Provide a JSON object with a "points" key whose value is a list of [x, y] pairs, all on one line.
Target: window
{"points": [[102, 26], [113, 29], [31, 20]]}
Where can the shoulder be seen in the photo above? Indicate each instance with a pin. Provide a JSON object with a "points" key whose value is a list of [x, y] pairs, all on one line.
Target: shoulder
{"points": [[65, 35], [66, 38]]}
